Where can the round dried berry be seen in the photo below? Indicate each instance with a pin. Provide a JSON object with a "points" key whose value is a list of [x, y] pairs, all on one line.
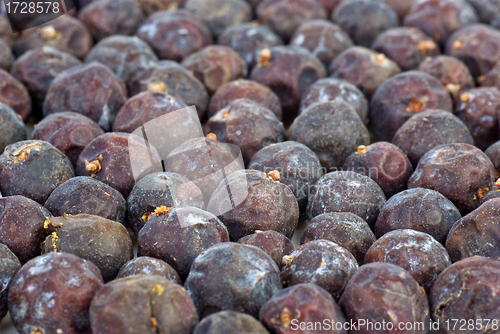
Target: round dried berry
{"points": [[14, 94], [9, 265], [12, 128], [229, 322], [145, 265], [275, 244]]}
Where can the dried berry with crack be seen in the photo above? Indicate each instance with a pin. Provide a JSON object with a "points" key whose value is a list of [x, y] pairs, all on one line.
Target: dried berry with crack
{"points": [[9, 266], [145, 265], [229, 322], [14, 94], [275, 244], [12, 128]]}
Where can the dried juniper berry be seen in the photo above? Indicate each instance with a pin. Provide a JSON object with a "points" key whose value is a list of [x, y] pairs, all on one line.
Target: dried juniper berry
{"points": [[364, 68], [321, 262], [6, 56], [343, 228], [160, 189], [90, 89], [440, 18], [244, 89], [493, 152], [83, 194], [384, 163], [408, 47], [33, 168], [68, 131], [288, 71], [174, 34], [113, 159], [220, 14], [461, 172], [332, 130], [275, 244], [64, 33], [53, 293], [145, 265], [384, 292], [142, 304], [306, 303], [418, 253], [331, 89], [478, 108], [14, 94], [37, 68], [487, 10], [284, 16], [346, 191], [467, 290], [250, 279], [248, 39], [6, 33], [178, 235], [150, 7], [377, 17], [126, 56], [400, 7], [12, 128], [403, 96], [476, 233], [9, 265], [145, 107], [103, 242], [429, 129], [105, 18], [477, 45], [22, 226], [215, 65], [451, 71], [322, 38], [171, 78], [297, 164], [229, 322], [490, 79], [248, 125], [419, 209], [261, 203]]}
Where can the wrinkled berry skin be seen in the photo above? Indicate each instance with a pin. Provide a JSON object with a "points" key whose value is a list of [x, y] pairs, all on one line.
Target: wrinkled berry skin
{"points": [[9, 265], [90, 89], [428, 129], [64, 288], [476, 234], [284, 16], [477, 45], [403, 96], [12, 129], [461, 172], [105, 18], [321, 262], [307, 303], [419, 209], [404, 248], [385, 292], [83, 194], [244, 89], [215, 65], [142, 304], [228, 322], [332, 130], [174, 34], [126, 56], [33, 169], [250, 279], [331, 89], [275, 244], [289, 72], [364, 68], [15, 95], [297, 164], [145, 265], [377, 17], [154, 190], [384, 163], [37, 68], [179, 236], [268, 205], [68, 131], [343, 228], [248, 125], [171, 78], [440, 18], [467, 290]]}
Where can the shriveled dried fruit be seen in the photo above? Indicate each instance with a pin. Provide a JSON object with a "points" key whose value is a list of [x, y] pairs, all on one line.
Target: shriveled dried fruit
{"points": [[275, 244], [145, 265]]}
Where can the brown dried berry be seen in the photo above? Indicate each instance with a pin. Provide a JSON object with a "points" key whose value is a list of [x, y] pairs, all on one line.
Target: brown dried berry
{"points": [[145, 265], [14, 94], [9, 265], [275, 244]]}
